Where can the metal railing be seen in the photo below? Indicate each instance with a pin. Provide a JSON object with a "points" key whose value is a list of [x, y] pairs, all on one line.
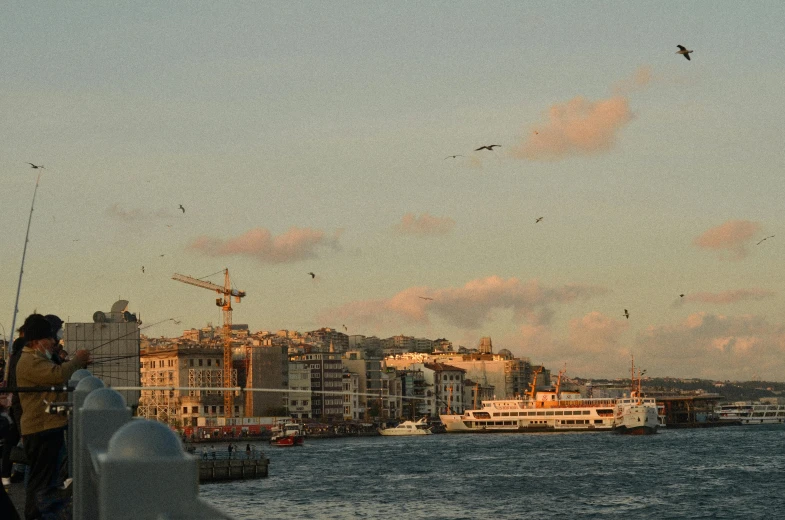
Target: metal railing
{"points": [[125, 467]]}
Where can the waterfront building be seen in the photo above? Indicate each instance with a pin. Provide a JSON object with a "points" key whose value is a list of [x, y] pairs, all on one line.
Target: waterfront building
{"points": [[414, 389], [444, 385], [391, 399], [352, 411], [326, 383], [173, 364], [475, 393], [267, 368], [298, 399], [369, 369], [113, 338]]}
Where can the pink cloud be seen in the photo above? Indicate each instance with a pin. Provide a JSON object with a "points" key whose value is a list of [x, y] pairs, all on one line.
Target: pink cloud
{"points": [[577, 127], [425, 224], [729, 296], [258, 243], [731, 238], [716, 346], [467, 307]]}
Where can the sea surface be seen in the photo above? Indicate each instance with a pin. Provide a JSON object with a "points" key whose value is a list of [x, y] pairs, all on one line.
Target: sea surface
{"points": [[726, 472]]}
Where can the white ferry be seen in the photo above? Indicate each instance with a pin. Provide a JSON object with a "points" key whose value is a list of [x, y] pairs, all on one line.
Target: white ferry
{"points": [[746, 412], [548, 411], [636, 415]]}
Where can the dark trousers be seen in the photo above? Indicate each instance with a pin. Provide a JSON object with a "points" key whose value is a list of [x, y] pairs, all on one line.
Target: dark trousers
{"points": [[10, 440], [44, 457]]}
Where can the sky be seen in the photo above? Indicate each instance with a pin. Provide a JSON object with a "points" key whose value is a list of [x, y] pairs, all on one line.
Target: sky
{"points": [[315, 137]]}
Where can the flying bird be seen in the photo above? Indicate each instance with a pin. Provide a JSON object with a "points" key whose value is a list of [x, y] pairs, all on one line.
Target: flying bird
{"points": [[182, 208], [681, 296], [176, 322], [626, 314], [35, 167], [537, 219], [683, 51], [488, 147], [142, 269], [453, 156], [768, 237], [344, 328], [161, 256], [425, 298], [312, 275]]}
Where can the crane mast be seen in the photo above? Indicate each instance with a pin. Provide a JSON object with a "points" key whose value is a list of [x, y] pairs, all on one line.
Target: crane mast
{"points": [[225, 302]]}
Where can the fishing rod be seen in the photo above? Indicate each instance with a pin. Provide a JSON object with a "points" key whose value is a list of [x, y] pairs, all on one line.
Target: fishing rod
{"points": [[22, 267]]}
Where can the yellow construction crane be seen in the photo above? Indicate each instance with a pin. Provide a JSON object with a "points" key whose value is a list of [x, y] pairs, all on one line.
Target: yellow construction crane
{"points": [[226, 304]]}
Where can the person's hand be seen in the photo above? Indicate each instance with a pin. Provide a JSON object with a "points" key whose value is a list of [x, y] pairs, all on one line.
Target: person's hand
{"points": [[83, 356]]}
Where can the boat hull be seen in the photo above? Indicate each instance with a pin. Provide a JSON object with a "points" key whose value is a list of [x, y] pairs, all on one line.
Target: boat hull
{"points": [[287, 441]]}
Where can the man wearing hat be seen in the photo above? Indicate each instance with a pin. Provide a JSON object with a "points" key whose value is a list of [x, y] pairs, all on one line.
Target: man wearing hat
{"points": [[42, 433]]}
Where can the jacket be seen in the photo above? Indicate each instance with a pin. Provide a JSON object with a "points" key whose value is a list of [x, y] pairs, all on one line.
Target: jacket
{"points": [[35, 369]]}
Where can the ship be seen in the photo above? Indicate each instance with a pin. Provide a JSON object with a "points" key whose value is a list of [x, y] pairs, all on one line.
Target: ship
{"points": [[290, 434], [407, 428], [636, 415], [543, 411], [747, 412]]}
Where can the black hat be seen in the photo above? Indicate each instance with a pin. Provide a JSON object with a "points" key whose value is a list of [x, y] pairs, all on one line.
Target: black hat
{"points": [[54, 321], [37, 327]]}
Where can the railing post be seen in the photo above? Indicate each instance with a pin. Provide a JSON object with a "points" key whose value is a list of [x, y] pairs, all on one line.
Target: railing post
{"points": [[146, 475], [69, 437], [104, 411]]}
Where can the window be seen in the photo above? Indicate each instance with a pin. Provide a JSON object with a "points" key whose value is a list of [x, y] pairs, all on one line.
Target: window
{"points": [[209, 362], [213, 409], [200, 362], [190, 362], [206, 410], [194, 409], [217, 363], [185, 409]]}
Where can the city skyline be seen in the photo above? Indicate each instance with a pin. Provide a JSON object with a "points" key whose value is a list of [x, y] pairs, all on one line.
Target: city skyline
{"points": [[333, 161]]}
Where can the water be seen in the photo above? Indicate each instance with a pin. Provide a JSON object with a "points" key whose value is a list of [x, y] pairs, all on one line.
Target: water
{"points": [[729, 472]]}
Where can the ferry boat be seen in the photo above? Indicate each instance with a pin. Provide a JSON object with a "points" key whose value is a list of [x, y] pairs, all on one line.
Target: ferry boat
{"points": [[747, 412], [291, 434], [419, 427], [636, 415], [545, 411]]}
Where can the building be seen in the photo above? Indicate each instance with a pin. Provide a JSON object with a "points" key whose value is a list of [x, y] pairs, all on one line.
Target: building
{"points": [[183, 365], [267, 367], [113, 339], [298, 399], [369, 370], [352, 411], [326, 384]]}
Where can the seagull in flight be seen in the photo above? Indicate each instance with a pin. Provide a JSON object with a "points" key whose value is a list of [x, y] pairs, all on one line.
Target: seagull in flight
{"points": [[453, 156], [312, 275], [35, 167], [768, 237], [182, 208], [488, 147], [425, 298], [683, 51], [537, 219], [142, 269], [626, 314], [681, 296], [176, 322], [344, 328]]}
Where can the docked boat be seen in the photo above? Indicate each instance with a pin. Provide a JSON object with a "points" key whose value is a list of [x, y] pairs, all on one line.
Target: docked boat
{"points": [[544, 411], [747, 412], [636, 415], [290, 434], [419, 427]]}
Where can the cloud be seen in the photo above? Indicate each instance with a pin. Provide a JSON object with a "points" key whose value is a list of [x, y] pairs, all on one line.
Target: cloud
{"points": [[640, 80], [592, 346], [258, 243], [732, 296], [467, 308], [581, 127], [715, 346], [577, 127], [729, 239], [134, 215], [424, 225]]}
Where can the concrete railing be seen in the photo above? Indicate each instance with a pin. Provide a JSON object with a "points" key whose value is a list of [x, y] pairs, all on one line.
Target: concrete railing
{"points": [[127, 468]]}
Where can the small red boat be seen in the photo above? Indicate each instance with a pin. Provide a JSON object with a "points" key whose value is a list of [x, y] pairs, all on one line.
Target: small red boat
{"points": [[291, 434]]}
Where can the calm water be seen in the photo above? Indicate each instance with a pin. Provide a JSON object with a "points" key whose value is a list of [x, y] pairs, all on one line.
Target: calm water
{"points": [[730, 472]]}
